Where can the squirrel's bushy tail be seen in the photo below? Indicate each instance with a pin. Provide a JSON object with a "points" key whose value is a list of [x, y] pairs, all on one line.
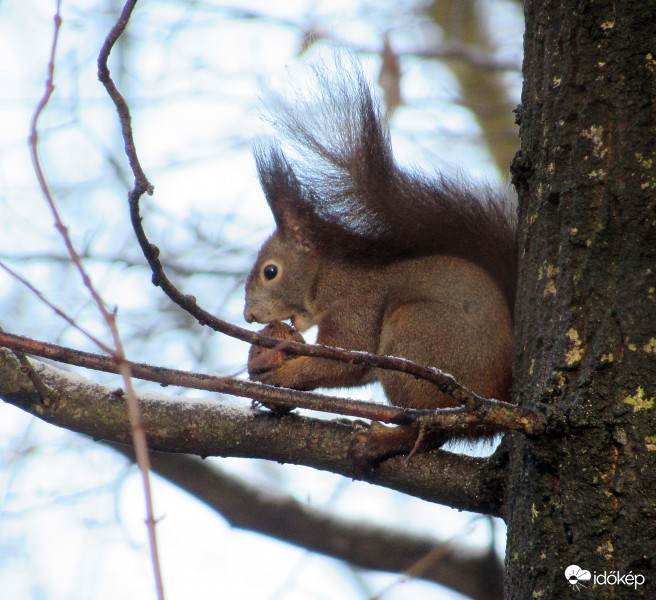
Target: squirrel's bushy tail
{"points": [[356, 202]]}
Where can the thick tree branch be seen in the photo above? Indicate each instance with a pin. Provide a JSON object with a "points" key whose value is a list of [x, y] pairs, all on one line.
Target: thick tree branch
{"points": [[206, 428], [364, 545]]}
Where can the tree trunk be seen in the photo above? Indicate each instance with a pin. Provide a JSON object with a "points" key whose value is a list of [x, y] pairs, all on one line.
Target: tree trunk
{"points": [[585, 495]]}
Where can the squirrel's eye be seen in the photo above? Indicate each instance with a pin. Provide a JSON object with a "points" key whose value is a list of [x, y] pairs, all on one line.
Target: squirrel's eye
{"points": [[270, 272]]}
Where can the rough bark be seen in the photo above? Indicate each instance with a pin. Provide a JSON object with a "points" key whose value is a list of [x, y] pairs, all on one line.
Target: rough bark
{"points": [[586, 319]]}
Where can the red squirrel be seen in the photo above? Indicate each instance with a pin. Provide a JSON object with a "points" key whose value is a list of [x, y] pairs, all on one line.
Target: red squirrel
{"points": [[383, 259]]}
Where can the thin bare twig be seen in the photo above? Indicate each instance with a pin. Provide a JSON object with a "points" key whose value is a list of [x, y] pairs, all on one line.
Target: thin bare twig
{"points": [[227, 385], [118, 354], [141, 183], [183, 270], [504, 415], [58, 311]]}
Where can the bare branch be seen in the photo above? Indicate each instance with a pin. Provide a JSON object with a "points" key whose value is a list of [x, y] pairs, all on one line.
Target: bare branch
{"points": [[141, 181], [364, 545], [58, 311], [209, 429], [127, 261], [503, 414], [227, 385]]}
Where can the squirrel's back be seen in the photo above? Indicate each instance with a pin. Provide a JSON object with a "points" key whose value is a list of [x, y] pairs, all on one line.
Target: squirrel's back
{"points": [[360, 205]]}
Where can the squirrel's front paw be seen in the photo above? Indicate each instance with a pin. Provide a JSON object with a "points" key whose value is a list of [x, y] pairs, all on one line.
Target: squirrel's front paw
{"points": [[264, 363]]}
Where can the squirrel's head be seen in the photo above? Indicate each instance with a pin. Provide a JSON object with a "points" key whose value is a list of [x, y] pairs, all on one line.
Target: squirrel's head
{"points": [[278, 284]]}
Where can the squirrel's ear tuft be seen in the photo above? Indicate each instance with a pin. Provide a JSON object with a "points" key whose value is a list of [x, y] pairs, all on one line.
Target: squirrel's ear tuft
{"points": [[289, 200], [295, 229]]}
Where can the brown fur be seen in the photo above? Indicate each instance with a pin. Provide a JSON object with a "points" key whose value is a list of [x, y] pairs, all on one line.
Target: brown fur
{"points": [[381, 259]]}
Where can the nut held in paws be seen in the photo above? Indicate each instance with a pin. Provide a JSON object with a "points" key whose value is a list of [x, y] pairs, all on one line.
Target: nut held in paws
{"points": [[261, 359]]}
